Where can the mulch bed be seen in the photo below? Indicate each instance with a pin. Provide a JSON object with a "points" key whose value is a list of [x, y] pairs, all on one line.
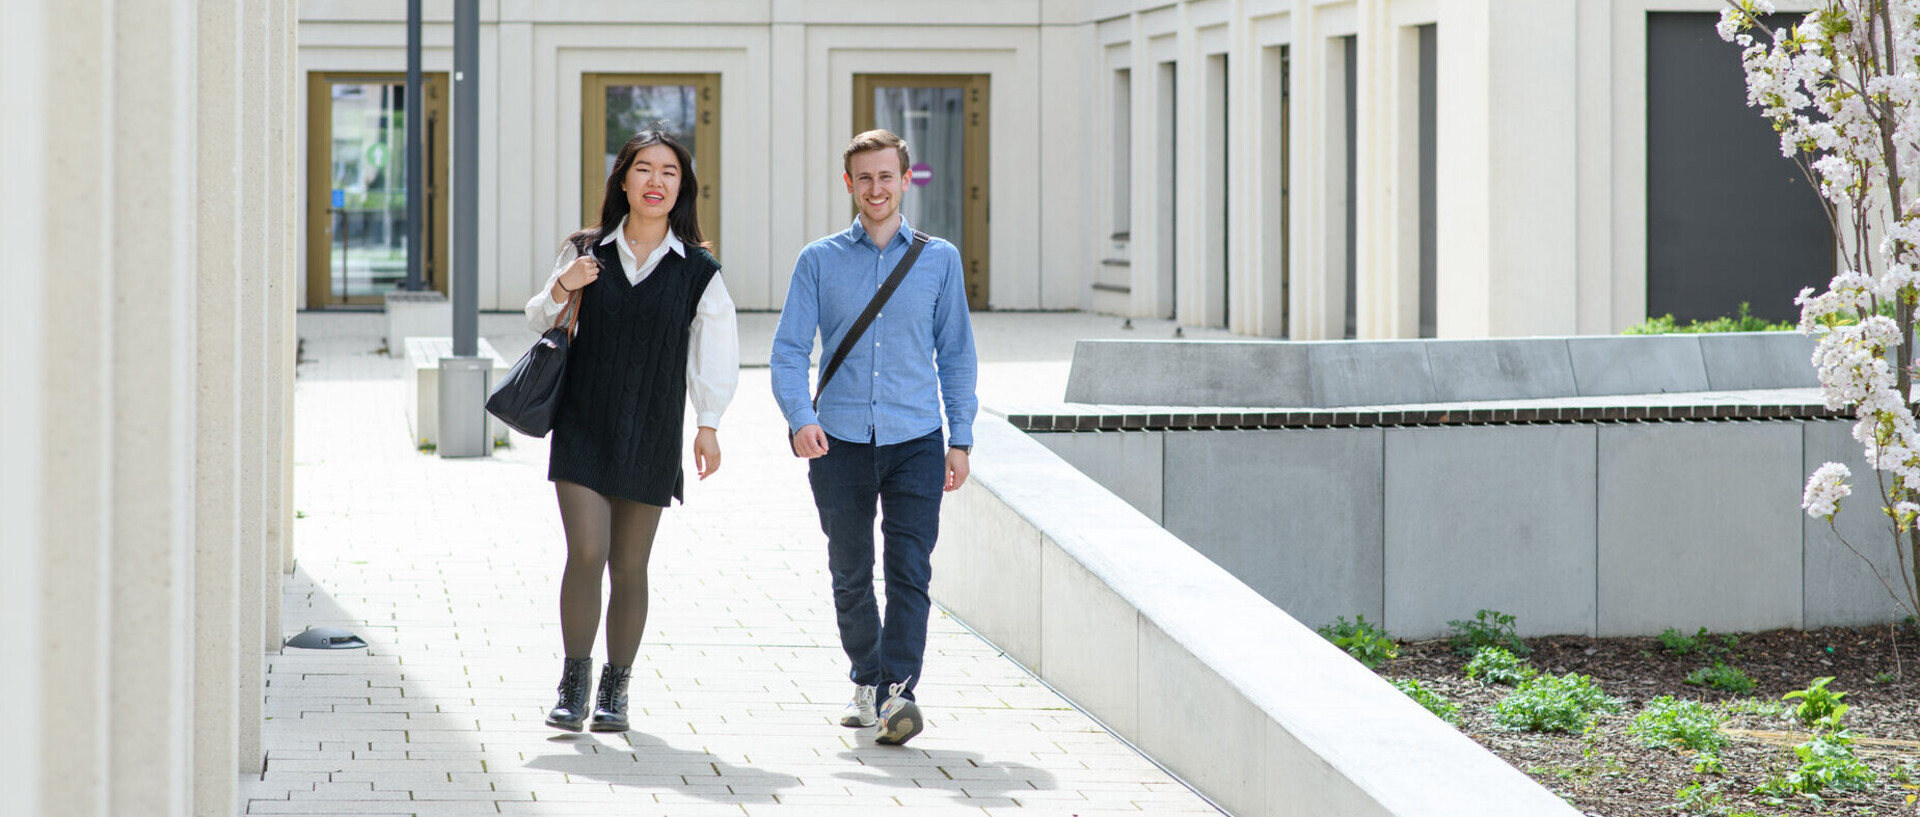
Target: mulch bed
{"points": [[1606, 774]]}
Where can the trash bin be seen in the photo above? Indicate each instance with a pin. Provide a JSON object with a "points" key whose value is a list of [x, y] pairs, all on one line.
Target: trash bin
{"points": [[464, 384]]}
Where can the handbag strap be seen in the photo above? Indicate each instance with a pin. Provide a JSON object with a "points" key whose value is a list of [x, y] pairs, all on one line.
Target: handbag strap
{"points": [[861, 323], [569, 314]]}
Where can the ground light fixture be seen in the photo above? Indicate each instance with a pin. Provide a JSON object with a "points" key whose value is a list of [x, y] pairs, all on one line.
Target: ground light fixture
{"points": [[326, 638]]}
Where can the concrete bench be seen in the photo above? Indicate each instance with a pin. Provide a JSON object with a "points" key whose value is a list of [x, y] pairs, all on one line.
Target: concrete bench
{"points": [[423, 388]]}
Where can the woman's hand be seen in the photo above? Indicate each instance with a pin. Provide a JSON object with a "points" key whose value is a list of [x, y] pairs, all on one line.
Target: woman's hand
{"points": [[583, 271], [706, 451]]}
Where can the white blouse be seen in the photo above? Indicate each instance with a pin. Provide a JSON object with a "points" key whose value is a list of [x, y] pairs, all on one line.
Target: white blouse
{"points": [[713, 355]]}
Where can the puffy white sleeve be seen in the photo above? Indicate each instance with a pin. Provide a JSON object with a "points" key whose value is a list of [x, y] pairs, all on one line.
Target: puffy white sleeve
{"points": [[542, 309], [713, 355]]}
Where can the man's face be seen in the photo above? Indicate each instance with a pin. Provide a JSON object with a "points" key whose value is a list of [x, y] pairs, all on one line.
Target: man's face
{"points": [[877, 183]]}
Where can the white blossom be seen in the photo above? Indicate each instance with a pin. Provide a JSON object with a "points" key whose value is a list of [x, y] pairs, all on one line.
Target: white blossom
{"points": [[1825, 489]]}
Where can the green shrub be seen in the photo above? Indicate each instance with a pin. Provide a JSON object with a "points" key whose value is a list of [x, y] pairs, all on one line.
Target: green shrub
{"points": [[1722, 676], [1667, 722], [1826, 761], [1488, 628], [1819, 707], [1545, 703], [1495, 665], [1743, 322], [1449, 712], [1367, 644]]}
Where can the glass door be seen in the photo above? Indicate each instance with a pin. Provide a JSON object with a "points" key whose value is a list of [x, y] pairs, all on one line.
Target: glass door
{"points": [[614, 107], [357, 231], [944, 120]]}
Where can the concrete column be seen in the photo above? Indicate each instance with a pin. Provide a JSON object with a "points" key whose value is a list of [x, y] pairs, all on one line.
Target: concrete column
{"points": [[1065, 266], [1250, 98], [1151, 226], [1189, 186], [1507, 197], [786, 224], [76, 468], [217, 644], [1317, 257], [1378, 287], [152, 204], [251, 499], [289, 224], [273, 338], [24, 133]]}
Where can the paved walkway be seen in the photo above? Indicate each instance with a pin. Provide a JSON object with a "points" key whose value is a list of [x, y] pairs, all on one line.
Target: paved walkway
{"points": [[449, 569]]}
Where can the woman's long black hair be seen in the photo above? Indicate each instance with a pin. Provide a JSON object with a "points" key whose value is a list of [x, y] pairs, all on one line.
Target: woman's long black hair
{"points": [[683, 219]]}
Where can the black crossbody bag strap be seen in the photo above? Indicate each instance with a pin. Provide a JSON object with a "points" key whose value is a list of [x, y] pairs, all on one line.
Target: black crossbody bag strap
{"points": [[861, 323]]}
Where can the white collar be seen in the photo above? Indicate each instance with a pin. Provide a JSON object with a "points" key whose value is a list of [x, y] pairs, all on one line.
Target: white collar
{"points": [[672, 241]]}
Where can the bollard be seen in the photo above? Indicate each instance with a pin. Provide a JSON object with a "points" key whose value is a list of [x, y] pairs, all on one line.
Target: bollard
{"points": [[464, 384]]}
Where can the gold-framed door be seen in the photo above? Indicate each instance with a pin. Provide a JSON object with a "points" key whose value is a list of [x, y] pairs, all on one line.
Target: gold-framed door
{"points": [[931, 98], [613, 107], [356, 186]]}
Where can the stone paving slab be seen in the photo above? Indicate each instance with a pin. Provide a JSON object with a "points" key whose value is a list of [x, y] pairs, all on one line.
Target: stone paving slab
{"points": [[449, 569]]}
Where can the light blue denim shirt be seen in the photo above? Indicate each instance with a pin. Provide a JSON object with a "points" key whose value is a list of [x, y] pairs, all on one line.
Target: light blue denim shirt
{"points": [[917, 354]]}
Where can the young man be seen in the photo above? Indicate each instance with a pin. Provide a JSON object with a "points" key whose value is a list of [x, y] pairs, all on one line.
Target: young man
{"points": [[876, 437]]}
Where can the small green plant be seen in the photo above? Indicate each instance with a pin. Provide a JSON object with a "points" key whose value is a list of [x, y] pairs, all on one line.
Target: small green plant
{"points": [[1487, 628], [1885, 677], [1754, 706], [1449, 712], [1546, 703], [1680, 643], [1819, 707], [1496, 665], [1722, 676], [1673, 723], [1826, 762], [427, 447], [1369, 645], [1743, 322], [1700, 798]]}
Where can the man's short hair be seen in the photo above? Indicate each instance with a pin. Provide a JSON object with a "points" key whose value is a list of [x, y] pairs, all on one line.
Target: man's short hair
{"points": [[876, 139]]}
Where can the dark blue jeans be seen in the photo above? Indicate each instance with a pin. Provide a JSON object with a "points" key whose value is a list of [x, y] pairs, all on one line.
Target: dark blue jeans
{"points": [[906, 482]]}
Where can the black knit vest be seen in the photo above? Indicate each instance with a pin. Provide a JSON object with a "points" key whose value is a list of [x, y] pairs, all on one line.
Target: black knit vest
{"points": [[618, 430]]}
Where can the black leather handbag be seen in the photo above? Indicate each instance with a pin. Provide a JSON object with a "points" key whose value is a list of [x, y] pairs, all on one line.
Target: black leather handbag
{"points": [[528, 398]]}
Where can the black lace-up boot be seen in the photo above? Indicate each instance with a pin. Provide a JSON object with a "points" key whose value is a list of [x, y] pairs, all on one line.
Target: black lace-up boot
{"points": [[571, 711], [610, 711]]}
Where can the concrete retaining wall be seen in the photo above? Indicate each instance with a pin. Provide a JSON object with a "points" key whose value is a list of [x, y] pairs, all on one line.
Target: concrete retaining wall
{"points": [[1575, 528], [1154, 639], [1387, 372]]}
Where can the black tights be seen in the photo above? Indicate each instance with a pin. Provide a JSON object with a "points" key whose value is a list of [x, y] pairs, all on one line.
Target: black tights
{"points": [[605, 535]]}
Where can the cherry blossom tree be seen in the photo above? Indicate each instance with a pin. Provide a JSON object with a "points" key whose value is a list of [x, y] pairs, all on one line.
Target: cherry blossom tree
{"points": [[1842, 88]]}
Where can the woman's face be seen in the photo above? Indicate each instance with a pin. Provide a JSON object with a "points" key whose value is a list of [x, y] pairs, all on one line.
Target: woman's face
{"points": [[653, 182]]}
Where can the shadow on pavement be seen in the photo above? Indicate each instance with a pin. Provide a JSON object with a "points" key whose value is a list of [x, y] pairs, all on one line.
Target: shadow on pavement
{"points": [[977, 776], [628, 761]]}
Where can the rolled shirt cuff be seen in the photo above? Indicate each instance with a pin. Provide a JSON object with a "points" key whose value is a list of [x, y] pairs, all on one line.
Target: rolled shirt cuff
{"points": [[960, 434], [802, 418]]}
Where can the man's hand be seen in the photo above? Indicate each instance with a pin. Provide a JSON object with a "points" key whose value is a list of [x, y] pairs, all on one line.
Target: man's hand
{"points": [[706, 451], [956, 469], [810, 441]]}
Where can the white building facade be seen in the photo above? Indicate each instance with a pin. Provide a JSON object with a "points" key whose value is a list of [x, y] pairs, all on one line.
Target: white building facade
{"points": [[1286, 168]]}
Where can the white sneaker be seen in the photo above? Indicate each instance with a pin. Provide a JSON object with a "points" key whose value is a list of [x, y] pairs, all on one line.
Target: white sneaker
{"points": [[859, 711], [900, 718]]}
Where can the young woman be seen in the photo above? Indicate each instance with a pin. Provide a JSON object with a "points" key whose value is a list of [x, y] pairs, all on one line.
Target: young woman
{"points": [[657, 330]]}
